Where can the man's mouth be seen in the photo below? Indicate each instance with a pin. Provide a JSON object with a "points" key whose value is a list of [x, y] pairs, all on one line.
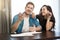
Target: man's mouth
{"points": [[28, 10]]}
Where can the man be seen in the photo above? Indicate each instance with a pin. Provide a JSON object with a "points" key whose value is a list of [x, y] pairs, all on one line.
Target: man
{"points": [[24, 22]]}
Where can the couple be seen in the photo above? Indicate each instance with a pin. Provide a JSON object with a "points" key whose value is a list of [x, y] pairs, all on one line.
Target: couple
{"points": [[25, 22]]}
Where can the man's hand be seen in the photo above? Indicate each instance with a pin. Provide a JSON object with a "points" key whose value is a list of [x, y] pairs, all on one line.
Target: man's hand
{"points": [[33, 15], [20, 16], [32, 29]]}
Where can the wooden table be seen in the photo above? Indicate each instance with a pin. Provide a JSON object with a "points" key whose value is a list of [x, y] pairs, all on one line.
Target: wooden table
{"points": [[49, 35]]}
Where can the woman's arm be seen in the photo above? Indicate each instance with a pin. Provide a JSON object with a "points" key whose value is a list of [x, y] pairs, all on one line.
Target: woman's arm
{"points": [[49, 24]]}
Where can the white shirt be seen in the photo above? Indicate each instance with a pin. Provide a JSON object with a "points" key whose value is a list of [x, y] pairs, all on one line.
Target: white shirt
{"points": [[26, 24]]}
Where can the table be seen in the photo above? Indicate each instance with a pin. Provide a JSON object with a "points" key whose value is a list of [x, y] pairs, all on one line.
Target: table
{"points": [[49, 35]]}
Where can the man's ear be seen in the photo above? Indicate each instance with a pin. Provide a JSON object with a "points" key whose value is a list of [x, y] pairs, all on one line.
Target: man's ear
{"points": [[25, 7]]}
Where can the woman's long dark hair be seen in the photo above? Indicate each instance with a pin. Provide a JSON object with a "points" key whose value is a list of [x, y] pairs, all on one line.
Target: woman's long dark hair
{"points": [[50, 10]]}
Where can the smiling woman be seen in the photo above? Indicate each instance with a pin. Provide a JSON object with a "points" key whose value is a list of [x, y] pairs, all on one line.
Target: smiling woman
{"points": [[16, 7], [7, 13]]}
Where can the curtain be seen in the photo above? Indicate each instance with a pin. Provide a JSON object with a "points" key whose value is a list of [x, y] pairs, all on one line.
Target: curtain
{"points": [[5, 16]]}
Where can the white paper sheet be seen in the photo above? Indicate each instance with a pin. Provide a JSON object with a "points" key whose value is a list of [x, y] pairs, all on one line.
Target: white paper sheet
{"points": [[34, 32], [24, 34]]}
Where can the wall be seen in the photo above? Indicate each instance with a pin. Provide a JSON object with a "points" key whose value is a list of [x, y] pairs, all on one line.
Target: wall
{"points": [[19, 6]]}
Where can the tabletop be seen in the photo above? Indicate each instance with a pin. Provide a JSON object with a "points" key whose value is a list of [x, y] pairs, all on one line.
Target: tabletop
{"points": [[42, 36]]}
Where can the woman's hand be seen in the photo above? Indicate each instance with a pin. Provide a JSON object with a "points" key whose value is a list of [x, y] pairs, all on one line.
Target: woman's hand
{"points": [[49, 15], [49, 24]]}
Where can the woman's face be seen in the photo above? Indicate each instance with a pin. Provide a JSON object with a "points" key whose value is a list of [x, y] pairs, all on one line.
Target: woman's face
{"points": [[44, 11]]}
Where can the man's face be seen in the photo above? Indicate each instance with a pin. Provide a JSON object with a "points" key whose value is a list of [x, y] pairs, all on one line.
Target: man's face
{"points": [[29, 8]]}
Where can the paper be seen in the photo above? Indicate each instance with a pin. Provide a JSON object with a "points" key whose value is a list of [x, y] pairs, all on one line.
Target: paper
{"points": [[24, 34], [34, 32]]}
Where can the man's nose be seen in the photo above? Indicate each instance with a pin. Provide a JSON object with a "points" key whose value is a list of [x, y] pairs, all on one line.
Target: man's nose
{"points": [[29, 9]]}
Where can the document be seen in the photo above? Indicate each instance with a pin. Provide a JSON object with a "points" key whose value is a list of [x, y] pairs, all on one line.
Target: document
{"points": [[21, 35], [34, 32], [25, 34]]}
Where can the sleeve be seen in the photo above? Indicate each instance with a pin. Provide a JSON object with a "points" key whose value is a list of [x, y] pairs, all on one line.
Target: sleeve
{"points": [[36, 22], [52, 19], [15, 19], [37, 16]]}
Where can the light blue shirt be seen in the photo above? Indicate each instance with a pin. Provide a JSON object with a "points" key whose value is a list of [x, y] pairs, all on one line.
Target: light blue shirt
{"points": [[31, 22]]}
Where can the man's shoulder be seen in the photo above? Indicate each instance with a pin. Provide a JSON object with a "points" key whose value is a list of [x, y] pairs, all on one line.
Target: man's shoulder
{"points": [[16, 15], [32, 18]]}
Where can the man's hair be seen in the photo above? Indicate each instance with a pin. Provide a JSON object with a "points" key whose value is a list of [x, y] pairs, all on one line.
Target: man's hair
{"points": [[30, 3]]}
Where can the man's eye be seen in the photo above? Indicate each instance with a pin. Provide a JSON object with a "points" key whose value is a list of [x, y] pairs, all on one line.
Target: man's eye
{"points": [[31, 8], [28, 7]]}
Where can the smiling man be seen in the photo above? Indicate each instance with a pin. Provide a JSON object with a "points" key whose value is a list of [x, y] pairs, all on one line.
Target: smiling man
{"points": [[24, 22]]}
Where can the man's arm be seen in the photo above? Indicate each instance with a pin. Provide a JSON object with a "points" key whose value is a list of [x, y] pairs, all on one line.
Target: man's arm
{"points": [[32, 29], [16, 21], [37, 26], [15, 26]]}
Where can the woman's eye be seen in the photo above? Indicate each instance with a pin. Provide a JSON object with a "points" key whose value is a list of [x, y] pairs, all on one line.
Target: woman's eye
{"points": [[43, 9]]}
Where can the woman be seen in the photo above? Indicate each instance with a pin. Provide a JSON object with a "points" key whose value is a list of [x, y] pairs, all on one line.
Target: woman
{"points": [[46, 18]]}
